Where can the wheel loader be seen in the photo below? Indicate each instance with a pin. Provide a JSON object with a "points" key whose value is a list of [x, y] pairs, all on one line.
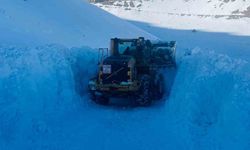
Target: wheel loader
{"points": [[132, 69]]}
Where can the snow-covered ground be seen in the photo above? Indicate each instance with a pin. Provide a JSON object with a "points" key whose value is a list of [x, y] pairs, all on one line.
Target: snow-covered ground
{"points": [[43, 98], [214, 15], [192, 7]]}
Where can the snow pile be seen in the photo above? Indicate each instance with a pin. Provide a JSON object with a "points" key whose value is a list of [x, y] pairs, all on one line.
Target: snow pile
{"points": [[69, 23], [44, 104], [39, 84], [210, 101]]}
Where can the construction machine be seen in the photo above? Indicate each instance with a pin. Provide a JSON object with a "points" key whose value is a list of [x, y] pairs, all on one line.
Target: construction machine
{"points": [[132, 69]]}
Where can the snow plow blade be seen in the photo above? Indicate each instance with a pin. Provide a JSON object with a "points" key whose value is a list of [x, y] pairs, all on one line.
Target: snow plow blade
{"points": [[163, 54]]}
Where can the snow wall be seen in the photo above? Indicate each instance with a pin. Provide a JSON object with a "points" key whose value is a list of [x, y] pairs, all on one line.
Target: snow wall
{"points": [[43, 86]]}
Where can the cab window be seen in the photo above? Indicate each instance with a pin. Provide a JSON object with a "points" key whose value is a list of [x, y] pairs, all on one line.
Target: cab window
{"points": [[125, 47]]}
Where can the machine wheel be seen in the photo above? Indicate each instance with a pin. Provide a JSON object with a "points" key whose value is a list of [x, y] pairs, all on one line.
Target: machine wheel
{"points": [[144, 95], [103, 100]]}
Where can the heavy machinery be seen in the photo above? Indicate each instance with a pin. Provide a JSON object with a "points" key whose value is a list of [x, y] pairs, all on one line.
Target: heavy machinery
{"points": [[133, 70]]}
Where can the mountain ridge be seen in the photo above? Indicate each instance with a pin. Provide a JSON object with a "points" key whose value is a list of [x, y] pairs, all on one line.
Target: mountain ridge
{"points": [[231, 9]]}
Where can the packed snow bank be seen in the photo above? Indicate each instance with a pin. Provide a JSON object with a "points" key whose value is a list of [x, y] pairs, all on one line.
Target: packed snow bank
{"points": [[39, 84], [69, 23], [44, 104], [209, 102]]}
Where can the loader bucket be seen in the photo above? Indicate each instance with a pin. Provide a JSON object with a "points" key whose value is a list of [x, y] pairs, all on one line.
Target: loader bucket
{"points": [[163, 54]]}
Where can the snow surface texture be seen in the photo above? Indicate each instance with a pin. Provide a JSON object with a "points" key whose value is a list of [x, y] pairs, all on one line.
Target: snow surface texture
{"points": [[41, 106], [213, 15], [69, 23], [43, 98], [210, 101], [38, 84]]}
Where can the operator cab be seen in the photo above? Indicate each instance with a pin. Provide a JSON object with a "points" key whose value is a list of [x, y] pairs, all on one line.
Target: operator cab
{"points": [[126, 46]]}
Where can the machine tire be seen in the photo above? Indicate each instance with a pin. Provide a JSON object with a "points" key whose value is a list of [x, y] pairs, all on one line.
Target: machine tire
{"points": [[102, 100], [144, 95], [92, 96]]}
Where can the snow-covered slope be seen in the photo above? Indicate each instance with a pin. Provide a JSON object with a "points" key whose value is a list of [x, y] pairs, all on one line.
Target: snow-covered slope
{"points": [[212, 15], [70, 23], [187, 7]]}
